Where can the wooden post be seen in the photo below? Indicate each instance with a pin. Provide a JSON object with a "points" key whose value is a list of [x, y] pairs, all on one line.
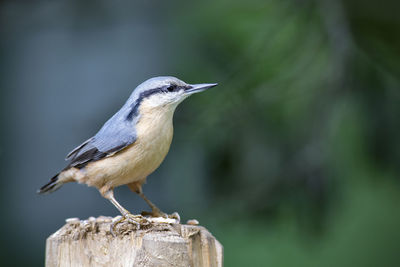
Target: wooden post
{"points": [[90, 243]]}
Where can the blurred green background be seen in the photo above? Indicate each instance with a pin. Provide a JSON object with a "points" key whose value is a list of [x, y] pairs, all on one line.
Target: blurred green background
{"points": [[293, 160]]}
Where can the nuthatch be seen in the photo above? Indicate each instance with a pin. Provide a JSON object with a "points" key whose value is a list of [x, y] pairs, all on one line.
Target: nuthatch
{"points": [[131, 144]]}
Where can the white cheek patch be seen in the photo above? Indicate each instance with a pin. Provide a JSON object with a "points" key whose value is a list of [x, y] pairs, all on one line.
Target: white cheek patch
{"points": [[162, 99]]}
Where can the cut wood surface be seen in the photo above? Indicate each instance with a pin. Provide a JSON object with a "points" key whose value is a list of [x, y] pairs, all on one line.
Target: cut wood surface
{"points": [[90, 243]]}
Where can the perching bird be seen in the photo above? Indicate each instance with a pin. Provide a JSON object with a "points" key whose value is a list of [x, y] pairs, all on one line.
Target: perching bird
{"points": [[131, 144]]}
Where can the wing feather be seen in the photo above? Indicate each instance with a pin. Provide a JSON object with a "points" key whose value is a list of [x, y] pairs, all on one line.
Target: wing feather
{"points": [[76, 149], [116, 134]]}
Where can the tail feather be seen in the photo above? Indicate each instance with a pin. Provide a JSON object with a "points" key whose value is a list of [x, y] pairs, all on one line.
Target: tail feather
{"points": [[51, 186]]}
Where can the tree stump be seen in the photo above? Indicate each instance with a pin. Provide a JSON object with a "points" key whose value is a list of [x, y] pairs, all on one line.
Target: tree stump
{"points": [[161, 243]]}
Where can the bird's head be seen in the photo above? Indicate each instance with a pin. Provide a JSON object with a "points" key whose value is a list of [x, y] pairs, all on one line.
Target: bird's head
{"points": [[166, 91]]}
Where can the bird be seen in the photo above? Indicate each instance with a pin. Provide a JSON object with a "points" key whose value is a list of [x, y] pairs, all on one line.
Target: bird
{"points": [[130, 145]]}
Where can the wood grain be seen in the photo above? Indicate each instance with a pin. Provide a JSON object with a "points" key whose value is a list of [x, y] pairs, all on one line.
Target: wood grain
{"points": [[90, 243]]}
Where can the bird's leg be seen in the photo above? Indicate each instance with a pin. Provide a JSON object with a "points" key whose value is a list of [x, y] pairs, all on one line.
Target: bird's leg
{"points": [[155, 212], [109, 194], [126, 215]]}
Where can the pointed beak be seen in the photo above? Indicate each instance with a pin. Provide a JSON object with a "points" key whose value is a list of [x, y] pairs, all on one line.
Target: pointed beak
{"points": [[197, 88]]}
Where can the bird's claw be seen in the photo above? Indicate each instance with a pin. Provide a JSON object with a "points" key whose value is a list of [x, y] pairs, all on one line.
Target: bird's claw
{"points": [[159, 213], [175, 216], [137, 220], [155, 213]]}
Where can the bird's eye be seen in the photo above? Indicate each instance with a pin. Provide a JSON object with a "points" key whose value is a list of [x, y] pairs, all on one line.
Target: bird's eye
{"points": [[171, 88]]}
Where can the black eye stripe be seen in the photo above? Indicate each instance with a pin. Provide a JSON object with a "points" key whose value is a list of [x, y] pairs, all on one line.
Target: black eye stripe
{"points": [[164, 89]]}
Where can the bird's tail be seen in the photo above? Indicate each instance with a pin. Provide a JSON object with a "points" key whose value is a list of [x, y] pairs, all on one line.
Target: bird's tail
{"points": [[51, 186]]}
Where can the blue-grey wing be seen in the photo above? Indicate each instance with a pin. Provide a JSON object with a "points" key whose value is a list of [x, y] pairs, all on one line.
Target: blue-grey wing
{"points": [[115, 135], [76, 150]]}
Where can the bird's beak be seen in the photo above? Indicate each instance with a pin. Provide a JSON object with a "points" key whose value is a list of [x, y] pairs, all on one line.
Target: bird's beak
{"points": [[197, 88]]}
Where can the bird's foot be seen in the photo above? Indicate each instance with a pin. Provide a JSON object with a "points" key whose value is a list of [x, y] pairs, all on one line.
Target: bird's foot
{"points": [[155, 213], [137, 220], [175, 216], [158, 213]]}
